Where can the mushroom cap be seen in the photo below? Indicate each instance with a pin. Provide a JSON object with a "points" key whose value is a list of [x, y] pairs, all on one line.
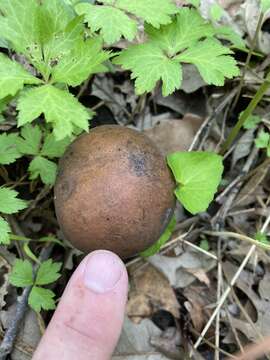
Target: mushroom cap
{"points": [[113, 191]]}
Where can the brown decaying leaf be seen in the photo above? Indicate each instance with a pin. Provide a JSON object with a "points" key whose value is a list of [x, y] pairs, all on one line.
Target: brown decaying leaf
{"points": [[150, 291], [175, 134]]}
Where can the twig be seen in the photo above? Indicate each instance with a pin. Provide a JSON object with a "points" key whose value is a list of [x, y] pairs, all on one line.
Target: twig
{"points": [[207, 123], [22, 305], [232, 283]]}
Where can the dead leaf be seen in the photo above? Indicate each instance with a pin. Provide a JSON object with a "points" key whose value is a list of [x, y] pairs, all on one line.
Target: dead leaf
{"points": [[199, 298], [150, 291], [245, 283], [175, 134], [174, 268], [135, 342]]}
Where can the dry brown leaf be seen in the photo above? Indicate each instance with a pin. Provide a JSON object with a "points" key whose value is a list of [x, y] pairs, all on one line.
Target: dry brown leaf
{"points": [[261, 305], [199, 298], [150, 291], [175, 134]]}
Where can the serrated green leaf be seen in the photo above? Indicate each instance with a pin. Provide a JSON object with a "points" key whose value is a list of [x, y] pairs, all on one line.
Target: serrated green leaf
{"points": [[9, 203], [48, 272], [251, 122], [112, 23], [60, 108], [265, 5], [262, 140], [8, 149], [187, 28], [83, 61], [29, 142], [41, 298], [44, 168], [154, 12], [226, 32], [13, 77], [149, 65], [53, 148], [152, 250], [210, 58], [22, 273], [4, 232], [198, 175], [18, 24]]}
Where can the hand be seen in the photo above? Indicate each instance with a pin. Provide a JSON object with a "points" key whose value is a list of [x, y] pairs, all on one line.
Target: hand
{"points": [[88, 320]]}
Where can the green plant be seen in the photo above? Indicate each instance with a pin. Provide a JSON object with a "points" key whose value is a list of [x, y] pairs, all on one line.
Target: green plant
{"points": [[58, 45]]}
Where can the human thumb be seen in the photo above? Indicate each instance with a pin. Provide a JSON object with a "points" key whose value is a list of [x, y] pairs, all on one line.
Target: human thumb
{"points": [[88, 320]]}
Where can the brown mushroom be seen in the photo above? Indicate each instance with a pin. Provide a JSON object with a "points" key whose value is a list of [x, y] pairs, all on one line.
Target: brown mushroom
{"points": [[113, 191]]}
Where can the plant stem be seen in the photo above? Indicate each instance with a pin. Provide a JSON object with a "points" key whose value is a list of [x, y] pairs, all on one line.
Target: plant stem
{"points": [[245, 114], [250, 51]]}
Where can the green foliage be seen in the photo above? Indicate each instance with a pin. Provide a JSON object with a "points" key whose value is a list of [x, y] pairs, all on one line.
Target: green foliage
{"points": [[188, 39], [198, 175], [263, 141], [9, 152], [13, 77], [41, 298], [9, 203], [262, 238], [265, 5], [113, 19], [22, 273], [30, 143], [152, 250], [251, 122], [4, 232], [48, 272], [60, 108]]}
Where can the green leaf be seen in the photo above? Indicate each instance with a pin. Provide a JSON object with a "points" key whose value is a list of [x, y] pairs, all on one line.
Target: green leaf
{"points": [[152, 250], [195, 3], [198, 175], [189, 39], [204, 244], [112, 22], [18, 24], [210, 57], [83, 61], [154, 12], [13, 77], [262, 140], [252, 121], [216, 12], [62, 44], [53, 148], [187, 28], [149, 65], [29, 142], [41, 298], [8, 149], [48, 272], [60, 108], [22, 273], [9, 203], [44, 168], [4, 232], [265, 5], [262, 238], [227, 33]]}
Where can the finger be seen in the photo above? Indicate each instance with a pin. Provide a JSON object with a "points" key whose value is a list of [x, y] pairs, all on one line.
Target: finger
{"points": [[88, 320]]}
